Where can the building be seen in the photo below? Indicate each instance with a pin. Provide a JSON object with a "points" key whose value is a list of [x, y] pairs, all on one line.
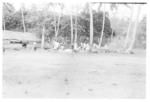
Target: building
{"points": [[17, 40]]}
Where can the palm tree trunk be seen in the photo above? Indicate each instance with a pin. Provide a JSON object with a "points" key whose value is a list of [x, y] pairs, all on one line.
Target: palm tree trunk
{"points": [[55, 26], [112, 34], [58, 25], [76, 32], [128, 31], [43, 37], [4, 24], [24, 28], [102, 32], [91, 25], [71, 28], [135, 30]]}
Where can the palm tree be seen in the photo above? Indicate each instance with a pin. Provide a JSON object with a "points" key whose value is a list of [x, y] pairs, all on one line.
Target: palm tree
{"points": [[61, 6], [3, 23], [43, 37], [91, 25], [23, 23], [55, 25], [112, 7], [56, 22], [103, 27], [76, 31], [44, 13], [134, 30], [129, 27], [71, 25]]}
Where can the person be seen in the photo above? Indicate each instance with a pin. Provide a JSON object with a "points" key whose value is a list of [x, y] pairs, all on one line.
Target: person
{"points": [[72, 46], [81, 46], [34, 46], [84, 46], [95, 45], [24, 44], [3, 49], [87, 47], [56, 44]]}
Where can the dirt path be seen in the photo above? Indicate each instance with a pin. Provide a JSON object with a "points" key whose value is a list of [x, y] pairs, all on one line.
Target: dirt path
{"points": [[61, 75]]}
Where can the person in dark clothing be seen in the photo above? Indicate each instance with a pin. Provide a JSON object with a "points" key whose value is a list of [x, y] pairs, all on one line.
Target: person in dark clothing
{"points": [[72, 46], [24, 45], [35, 48], [3, 49]]}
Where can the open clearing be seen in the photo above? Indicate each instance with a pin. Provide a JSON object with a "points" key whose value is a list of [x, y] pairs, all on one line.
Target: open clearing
{"points": [[45, 74]]}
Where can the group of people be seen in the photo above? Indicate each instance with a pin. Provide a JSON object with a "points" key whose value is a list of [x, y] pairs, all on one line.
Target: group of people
{"points": [[84, 46], [62, 46], [76, 47], [57, 45]]}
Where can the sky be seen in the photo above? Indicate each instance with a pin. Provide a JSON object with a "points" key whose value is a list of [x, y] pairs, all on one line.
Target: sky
{"points": [[122, 12]]}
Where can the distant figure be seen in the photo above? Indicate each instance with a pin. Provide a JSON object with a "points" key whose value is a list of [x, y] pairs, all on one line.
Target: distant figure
{"points": [[34, 46], [106, 46], [62, 47], [84, 46], [81, 46], [72, 46], [95, 46], [3, 49], [87, 47], [56, 44], [24, 45]]}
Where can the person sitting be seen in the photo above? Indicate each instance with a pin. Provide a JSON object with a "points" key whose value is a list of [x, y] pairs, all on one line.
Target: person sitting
{"points": [[56, 45], [87, 47], [34, 46], [95, 46]]}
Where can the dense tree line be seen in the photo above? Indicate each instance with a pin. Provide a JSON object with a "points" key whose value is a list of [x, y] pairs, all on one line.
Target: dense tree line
{"points": [[58, 25], [34, 19]]}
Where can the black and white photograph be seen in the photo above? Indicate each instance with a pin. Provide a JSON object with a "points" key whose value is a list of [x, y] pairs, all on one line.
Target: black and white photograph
{"points": [[74, 49]]}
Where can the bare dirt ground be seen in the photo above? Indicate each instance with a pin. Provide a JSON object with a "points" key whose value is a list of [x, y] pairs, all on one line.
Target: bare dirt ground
{"points": [[45, 74]]}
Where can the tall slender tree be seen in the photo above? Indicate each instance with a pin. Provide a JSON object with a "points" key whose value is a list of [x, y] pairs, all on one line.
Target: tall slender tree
{"points": [[103, 27], [61, 6], [76, 32], [56, 22], [129, 26], [113, 7], [43, 37], [44, 14], [3, 23], [71, 25], [55, 25], [135, 29], [91, 25], [23, 21]]}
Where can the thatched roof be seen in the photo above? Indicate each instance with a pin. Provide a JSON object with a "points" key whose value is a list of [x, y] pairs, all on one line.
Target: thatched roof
{"points": [[11, 35]]}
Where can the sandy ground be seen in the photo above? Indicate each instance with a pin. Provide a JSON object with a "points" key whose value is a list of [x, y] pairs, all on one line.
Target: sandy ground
{"points": [[44, 74]]}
